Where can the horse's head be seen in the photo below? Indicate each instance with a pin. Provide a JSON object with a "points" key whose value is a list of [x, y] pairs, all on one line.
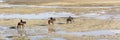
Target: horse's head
{"points": [[51, 18], [24, 22], [21, 20]]}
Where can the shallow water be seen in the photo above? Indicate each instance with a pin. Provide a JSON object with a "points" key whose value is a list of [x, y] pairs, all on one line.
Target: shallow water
{"points": [[34, 6], [41, 37], [100, 16], [45, 15], [103, 39], [37, 33], [91, 33]]}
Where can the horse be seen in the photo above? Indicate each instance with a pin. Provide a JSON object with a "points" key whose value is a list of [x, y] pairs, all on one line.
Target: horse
{"points": [[21, 24], [51, 20], [20, 27], [69, 19]]}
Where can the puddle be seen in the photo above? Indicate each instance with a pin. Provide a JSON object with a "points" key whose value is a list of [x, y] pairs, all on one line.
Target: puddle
{"points": [[45, 15]]}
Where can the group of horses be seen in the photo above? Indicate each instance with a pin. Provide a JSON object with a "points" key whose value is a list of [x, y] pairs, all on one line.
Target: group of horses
{"points": [[68, 20], [51, 21]]}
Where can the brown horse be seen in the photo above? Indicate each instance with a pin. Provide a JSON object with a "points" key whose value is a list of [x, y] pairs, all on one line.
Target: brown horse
{"points": [[51, 20], [21, 24], [69, 19]]}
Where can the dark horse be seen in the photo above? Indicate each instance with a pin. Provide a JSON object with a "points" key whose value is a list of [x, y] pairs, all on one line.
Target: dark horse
{"points": [[69, 19], [51, 20], [21, 24]]}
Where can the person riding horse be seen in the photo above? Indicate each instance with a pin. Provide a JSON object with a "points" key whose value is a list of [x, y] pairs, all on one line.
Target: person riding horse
{"points": [[69, 19], [51, 27], [20, 27], [51, 20], [21, 24]]}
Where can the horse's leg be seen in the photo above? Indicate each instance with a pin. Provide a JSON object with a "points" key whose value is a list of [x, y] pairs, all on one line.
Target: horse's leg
{"points": [[70, 21], [49, 22], [52, 22], [17, 26], [19, 30], [22, 26], [67, 21], [23, 30]]}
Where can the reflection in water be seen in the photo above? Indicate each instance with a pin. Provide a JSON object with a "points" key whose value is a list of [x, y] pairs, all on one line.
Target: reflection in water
{"points": [[51, 28], [22, 35], [21, 32]]}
